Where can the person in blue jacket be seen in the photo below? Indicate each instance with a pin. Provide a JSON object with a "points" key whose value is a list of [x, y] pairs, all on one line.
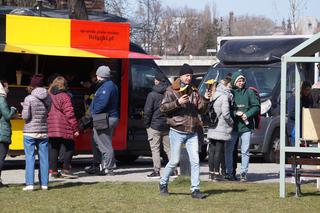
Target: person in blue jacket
{"points": [[106, 100]]}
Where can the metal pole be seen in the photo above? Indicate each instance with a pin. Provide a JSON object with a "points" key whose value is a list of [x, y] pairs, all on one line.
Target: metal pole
{"points": [[297, 107], [148, 25], [283, 126], [37, 64]]}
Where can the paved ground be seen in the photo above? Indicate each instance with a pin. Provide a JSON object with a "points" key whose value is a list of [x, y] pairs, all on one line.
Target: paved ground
{"points": [[14, 171]]}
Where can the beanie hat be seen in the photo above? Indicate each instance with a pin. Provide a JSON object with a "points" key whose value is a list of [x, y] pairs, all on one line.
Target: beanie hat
{"points": [[159, 76], [103, 71], [37, 81], [185, 69]]}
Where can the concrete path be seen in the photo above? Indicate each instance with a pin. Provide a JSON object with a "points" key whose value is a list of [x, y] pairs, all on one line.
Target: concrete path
{"points": [[137, 172]]}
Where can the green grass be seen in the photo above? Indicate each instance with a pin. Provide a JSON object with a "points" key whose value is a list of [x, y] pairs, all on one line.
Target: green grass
{"points": [[144, 197]]}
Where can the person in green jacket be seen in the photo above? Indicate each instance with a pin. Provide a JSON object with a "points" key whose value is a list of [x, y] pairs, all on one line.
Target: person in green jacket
{"points": [[245, 106], [6, 114]]}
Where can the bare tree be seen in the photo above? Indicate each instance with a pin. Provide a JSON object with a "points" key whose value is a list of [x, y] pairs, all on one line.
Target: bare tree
{"points": [[296, 7], [118, 7], [77, 9]]}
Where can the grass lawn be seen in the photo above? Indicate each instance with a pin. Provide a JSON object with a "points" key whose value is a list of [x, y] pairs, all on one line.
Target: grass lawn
{"points": [[144, 197]]}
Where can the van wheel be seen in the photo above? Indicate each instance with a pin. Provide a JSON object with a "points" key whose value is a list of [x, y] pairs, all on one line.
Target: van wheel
{"points": [[271, 155], [126, 159]]}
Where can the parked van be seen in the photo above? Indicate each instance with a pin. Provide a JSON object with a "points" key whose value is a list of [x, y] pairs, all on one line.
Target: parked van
{"points": [[258, 58]]}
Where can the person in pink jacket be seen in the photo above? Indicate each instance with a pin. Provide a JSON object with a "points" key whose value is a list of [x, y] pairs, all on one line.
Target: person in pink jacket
{"points": [[62, 127]]}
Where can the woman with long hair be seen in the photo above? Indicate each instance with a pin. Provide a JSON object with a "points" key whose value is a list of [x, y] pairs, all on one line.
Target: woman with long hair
{"points": [[62, 127]]}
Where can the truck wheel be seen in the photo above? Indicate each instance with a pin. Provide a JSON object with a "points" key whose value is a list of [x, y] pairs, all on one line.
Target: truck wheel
{"points": [[126, 159], [274, 147]]}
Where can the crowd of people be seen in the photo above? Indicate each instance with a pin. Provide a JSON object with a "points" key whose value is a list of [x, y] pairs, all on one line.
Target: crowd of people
{"points": [[171, 117]]}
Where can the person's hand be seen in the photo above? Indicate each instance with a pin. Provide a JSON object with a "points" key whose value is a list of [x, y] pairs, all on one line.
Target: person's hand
{"points": [[239, 113], [208, 94], [183, 99], [244, 117], [76, 134], [21, 103], [15, 109]]}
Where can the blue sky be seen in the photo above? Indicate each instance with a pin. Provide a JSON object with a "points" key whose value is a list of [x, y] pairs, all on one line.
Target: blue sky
{"points": [[273, 9]]}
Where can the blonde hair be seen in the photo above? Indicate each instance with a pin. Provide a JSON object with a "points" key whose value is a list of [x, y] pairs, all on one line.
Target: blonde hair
{"points": [[60, 82]]}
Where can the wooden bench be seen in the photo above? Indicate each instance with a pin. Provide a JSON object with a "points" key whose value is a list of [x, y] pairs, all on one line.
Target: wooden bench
{"points": [[298, 159]]}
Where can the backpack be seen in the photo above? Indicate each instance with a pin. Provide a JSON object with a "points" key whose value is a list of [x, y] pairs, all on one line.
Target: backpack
{"points": [[213, 117], [257, 117]]}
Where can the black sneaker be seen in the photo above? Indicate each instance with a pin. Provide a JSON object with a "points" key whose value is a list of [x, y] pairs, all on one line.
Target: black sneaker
{"points": [[92, 169], [230, 177], [213, 176], [163, 190], [243, 177], [154, 175], [198, 195]]}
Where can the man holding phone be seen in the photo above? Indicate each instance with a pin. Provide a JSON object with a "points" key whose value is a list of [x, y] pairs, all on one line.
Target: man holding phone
{"points": [[182, 104]]}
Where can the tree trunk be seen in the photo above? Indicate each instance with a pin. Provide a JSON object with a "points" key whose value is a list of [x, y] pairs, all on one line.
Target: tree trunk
{"points": [[77, 9]]}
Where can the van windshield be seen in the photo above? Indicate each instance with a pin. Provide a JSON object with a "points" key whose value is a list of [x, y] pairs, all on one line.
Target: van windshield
{"points": [[262, 78]]}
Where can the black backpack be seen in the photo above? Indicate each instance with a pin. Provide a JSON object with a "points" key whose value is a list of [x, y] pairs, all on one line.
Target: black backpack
{"points": [[213, 117]]}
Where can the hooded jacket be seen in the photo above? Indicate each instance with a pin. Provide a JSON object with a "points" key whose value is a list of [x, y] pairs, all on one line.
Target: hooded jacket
{"points": [[6, 114], [35, 111], [183, 118], [222, 99], [62, 122], [153, 117], [245, 101]]}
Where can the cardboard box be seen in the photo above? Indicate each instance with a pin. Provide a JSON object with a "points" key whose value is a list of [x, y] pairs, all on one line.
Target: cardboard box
{"points": [[311, 124]]}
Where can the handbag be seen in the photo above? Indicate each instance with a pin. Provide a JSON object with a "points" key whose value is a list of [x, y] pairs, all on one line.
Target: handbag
{"points": [[100, 121]]}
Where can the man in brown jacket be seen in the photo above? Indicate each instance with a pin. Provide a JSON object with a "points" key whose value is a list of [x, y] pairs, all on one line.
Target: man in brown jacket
{"points": [[182, 104]]}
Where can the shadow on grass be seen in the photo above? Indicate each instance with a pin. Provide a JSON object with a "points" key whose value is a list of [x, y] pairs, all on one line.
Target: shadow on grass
{"points": [[213, 192], [69, 184], [81, 173]]}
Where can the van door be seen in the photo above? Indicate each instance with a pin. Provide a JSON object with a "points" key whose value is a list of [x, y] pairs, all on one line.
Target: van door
{"points": [[141, 81]]}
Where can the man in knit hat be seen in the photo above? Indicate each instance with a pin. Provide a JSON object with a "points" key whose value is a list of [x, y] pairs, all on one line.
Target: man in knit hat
{"points": [[182, 103], [105, 100], [156, 123]]}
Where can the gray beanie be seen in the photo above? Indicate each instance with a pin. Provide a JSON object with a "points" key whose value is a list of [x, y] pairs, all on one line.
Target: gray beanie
{"points": [[103, 71]]}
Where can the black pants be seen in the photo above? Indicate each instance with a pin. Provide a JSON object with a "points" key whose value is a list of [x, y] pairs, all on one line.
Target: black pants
{"points": [[54, 149], [216, 156], [235, 157], [4, 147]]}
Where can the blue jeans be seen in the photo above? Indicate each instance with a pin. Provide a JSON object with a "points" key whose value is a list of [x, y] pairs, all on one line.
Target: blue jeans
{"points": [[29, 149], [191, 142], [245, 157]]}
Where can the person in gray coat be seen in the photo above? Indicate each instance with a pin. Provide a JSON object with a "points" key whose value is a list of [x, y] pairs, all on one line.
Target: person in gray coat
{"points": [[6, 113], [219, 131]]}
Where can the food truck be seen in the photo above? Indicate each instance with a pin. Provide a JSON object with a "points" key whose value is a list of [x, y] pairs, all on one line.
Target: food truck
{"points": [[75, 48]]}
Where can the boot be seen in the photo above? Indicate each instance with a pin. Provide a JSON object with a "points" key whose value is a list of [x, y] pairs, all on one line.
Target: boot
{"points": [[163, 189]]}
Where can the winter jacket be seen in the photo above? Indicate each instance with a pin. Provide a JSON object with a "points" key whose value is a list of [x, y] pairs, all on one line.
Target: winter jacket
{"points": [[62, 122], [6, 114], [183, 118], [153, 117], [106, 99], [35, 111], [222, 99], [246, 101]]}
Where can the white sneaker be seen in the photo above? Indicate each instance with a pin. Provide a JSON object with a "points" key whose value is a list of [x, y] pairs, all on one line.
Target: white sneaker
{"points": [[44, 187], [28, 188]]}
